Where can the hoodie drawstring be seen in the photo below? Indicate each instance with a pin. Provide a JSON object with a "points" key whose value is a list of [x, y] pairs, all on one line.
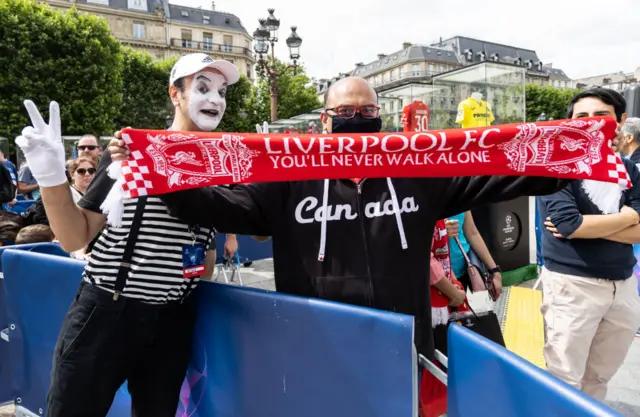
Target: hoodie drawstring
{"points": [[396, 210], [323, 225], [325, 215]]}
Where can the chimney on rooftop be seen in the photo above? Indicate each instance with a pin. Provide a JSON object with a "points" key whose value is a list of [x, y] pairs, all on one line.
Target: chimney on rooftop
{"points": [[359, 64], [213, 6], [381, 56], [406, 45]]}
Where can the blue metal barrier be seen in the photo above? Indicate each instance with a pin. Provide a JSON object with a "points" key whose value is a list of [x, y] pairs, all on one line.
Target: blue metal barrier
{"points": [[20, 207], [6, 393], [256, 353], [487, 380]]}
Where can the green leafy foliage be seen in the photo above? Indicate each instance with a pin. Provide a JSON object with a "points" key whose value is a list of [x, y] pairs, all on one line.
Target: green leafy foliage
{"points": [[145, 97], [45, 55], [295, 95], [548, 100], [236, 116]]}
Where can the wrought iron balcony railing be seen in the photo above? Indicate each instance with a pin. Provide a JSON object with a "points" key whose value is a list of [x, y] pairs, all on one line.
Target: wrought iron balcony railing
{"points": [[211, 47]]}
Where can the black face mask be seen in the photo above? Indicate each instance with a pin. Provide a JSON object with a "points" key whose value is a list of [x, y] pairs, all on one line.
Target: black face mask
{"points": [[357, 124]]}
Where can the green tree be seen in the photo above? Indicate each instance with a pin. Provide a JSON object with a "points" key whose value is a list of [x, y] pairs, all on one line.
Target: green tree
{"points": [[146, 103], [145, 96], [548, 100], [295, 95], [45, 55], [237, 115]]}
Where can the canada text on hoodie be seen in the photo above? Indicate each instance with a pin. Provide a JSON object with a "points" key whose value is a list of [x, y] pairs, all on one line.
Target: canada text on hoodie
{"points": [[366, 244]]}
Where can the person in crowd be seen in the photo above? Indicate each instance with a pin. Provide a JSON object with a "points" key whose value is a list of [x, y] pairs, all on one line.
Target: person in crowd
{"points": [[590, 303], [89, 146], [446, 293], [36, 213], [68, 171], [445, 285], [8, 189], [35, 233], [27, 184], [470, 238], [10, 166], [10, 225], [630, 139], [133, 316], [83, 170], [350, 256]]}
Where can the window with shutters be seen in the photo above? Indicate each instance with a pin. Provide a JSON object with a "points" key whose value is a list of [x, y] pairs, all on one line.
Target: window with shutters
{"points": [[138, 5], [207, 41], [138, 30], [186, 38], [227, 41]]}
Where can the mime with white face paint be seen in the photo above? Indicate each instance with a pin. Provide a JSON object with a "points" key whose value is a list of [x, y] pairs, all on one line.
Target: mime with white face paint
{"points": [[133, 316]]}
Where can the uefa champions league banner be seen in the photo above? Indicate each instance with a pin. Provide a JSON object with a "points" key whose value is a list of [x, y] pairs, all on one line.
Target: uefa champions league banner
{"points": [[255, 353]]}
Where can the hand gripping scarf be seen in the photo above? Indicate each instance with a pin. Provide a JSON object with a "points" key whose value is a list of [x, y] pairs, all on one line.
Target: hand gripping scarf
{"points": [[167, 161]]}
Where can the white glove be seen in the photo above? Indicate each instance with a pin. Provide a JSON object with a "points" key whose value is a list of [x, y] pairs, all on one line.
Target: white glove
{"points": [[42, 146], [263, 129]]}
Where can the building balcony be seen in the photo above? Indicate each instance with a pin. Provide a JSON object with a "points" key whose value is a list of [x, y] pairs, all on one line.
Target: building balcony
{"points": [[213, 48]]}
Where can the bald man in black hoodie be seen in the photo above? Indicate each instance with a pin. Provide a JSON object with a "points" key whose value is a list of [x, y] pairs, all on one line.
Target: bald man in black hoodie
{"points": [[372, 249]]}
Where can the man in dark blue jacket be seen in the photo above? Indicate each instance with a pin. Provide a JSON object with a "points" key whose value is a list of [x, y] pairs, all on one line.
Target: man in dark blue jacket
{"points": [[590, 304]]}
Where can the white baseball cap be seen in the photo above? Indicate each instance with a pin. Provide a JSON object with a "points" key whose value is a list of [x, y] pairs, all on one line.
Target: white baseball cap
{"points": [[193, 63]]}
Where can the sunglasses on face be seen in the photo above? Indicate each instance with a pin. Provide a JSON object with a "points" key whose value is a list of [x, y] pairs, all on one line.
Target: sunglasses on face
{"points": [[87, 147], [83, 171]]}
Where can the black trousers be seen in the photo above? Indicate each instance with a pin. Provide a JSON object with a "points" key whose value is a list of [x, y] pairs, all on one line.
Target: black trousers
{"points": [[103, 342]]}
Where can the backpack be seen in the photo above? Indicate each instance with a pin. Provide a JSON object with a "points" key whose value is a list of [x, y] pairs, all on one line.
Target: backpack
{"points": [[7, 186], [36, 214]]}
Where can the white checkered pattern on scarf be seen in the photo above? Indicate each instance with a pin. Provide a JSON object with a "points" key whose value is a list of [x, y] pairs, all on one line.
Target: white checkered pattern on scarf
{"points": [[134, 185], [620, 173]]}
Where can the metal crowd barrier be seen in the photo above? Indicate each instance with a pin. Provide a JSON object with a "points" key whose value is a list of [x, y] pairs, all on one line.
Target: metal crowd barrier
{"points": [[260, 353], [256, 353]]}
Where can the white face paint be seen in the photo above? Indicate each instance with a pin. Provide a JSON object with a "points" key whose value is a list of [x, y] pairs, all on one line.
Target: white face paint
{"points": [[206, 100]]}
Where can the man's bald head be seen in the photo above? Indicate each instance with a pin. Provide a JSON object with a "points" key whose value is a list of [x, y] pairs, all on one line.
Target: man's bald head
{"points": [[352, 91]]}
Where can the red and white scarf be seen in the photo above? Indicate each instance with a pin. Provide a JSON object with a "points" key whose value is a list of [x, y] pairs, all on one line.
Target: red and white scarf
{"points": [[167, 161]]}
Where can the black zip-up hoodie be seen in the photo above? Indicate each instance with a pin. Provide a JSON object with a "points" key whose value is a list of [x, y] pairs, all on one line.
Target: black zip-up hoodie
{"points": [[372, 250]]}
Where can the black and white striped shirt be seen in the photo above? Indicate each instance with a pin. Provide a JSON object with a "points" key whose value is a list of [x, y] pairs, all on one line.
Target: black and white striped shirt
{"points": [[156, 274]]}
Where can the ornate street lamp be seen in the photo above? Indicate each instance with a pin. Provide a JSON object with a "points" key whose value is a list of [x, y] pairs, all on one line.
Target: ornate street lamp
{"points": [[293, 42], [265, 35]]}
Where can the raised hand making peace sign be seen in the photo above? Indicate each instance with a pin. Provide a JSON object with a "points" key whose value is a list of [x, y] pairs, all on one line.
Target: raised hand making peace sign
{"points": [[42, 146]]}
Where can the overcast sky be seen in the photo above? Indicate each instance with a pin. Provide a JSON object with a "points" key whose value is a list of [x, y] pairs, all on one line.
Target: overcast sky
{"points": [[584, 38]]}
